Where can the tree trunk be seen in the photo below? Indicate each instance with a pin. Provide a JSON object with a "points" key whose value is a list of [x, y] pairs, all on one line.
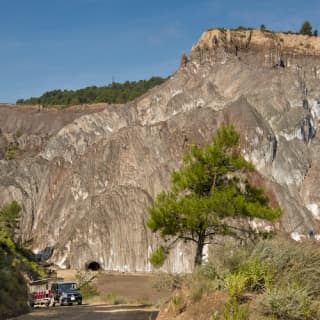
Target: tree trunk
{"points": [[199, 252]]}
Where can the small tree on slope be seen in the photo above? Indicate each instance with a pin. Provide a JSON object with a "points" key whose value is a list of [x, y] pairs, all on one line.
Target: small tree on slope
{"points": [[306, 28], [207, 193]]}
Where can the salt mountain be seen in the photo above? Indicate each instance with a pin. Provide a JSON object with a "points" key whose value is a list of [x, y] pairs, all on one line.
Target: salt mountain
{"points": [[86, 175]]}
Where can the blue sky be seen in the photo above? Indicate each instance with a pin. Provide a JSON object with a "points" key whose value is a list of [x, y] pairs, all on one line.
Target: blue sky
{"points": [[69, 44]]}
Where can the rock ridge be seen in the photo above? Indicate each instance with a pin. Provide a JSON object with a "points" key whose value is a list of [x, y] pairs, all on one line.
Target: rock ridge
{"points": [[86, 175]]}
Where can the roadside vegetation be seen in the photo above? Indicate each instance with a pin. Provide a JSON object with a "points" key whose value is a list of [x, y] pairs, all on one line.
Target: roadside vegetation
{"points": [[85, 283], [16, 265], [272, 279], [113, 93]]}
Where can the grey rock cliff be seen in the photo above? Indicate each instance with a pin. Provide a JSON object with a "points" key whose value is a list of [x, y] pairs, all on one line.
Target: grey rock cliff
{"points": [[86, 175]]}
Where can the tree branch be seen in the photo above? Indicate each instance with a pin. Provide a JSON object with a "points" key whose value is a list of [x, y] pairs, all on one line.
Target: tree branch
{"points": [[188, 238]]}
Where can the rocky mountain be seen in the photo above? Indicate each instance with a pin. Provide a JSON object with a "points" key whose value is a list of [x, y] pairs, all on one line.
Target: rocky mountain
{"points": [[85, 175]]}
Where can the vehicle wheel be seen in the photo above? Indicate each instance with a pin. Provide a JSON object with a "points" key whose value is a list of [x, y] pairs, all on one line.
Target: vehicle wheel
{"points": [[79, 302], [52, 302]]}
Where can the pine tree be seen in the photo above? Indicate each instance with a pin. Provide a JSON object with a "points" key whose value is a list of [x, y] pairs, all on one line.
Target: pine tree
{"points": [[263, 27], [306, 28], [209, 189]]}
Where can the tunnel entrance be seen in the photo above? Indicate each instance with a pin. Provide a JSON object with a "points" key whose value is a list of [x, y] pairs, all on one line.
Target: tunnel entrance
{"points": [[94, 266]]}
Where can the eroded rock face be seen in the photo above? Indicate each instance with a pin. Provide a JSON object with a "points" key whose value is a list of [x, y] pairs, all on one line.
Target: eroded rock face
{"points": [[86, 175]]}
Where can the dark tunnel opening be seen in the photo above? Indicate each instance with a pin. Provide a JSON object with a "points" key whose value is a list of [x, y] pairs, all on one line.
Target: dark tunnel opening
{"points": [[94, 266]]}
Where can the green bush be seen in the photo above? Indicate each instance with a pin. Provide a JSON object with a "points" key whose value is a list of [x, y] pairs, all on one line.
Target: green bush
{"points": [[168, 281], [258, 275], [235, 311], [13, 292], [158, 257], [88, 291], [201, 287], [236, 284], [229, 257], [178, 304], [204, 280], [10, 155], [291, 262], [291, 302], [15, 260], [85, 283], [207, 271]]}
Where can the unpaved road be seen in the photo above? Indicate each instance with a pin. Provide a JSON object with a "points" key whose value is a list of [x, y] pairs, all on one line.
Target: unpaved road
{"points": [[92, 312]]}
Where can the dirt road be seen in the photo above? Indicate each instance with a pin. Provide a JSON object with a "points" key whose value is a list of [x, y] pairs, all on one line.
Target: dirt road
{"points": [[92, 312], [128, 288]]}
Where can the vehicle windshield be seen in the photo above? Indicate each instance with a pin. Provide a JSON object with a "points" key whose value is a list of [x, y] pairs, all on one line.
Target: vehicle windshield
{"points": [[67, 286]]}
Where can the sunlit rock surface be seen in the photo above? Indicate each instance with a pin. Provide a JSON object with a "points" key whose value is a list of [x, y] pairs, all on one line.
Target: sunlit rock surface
{"points": [[86, 175]]}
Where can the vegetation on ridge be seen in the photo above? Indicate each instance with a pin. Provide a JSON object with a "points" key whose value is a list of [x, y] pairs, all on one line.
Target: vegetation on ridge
{"points": [[306, 29], [113, 93], [208, 196]]}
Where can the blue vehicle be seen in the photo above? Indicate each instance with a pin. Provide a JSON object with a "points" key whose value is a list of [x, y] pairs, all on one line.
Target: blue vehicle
{"points": [[66, 293]]}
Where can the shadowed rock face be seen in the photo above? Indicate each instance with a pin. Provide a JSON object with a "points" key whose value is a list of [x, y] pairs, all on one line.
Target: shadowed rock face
{"points": [[86, 175]]}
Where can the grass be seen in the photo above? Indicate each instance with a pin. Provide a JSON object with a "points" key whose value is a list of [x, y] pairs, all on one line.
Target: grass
{"points": [[272, 279], [114, 298], [289, 302]]}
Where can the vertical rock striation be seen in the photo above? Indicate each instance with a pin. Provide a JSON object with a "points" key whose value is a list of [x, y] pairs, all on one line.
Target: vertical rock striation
{"points": [[86, 175]]}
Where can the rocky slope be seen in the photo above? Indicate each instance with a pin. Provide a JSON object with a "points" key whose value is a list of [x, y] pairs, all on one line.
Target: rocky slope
{"points": [[86, 175]]}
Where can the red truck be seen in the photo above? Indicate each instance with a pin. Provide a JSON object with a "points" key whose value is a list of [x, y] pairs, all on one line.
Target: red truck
{"points": [[40, 292]]}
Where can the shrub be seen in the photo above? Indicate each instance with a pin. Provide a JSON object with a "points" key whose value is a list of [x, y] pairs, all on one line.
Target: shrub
{"points": [[113, 298], [229, 257], [291, 302], [207, 271], [168, 281], [88, 291], [178, 304], [258, 275], [201, 285], [158, 257], [204, 279], [10, 155], [87, 288], [291, 262], [236, 284], [234, 311]]}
